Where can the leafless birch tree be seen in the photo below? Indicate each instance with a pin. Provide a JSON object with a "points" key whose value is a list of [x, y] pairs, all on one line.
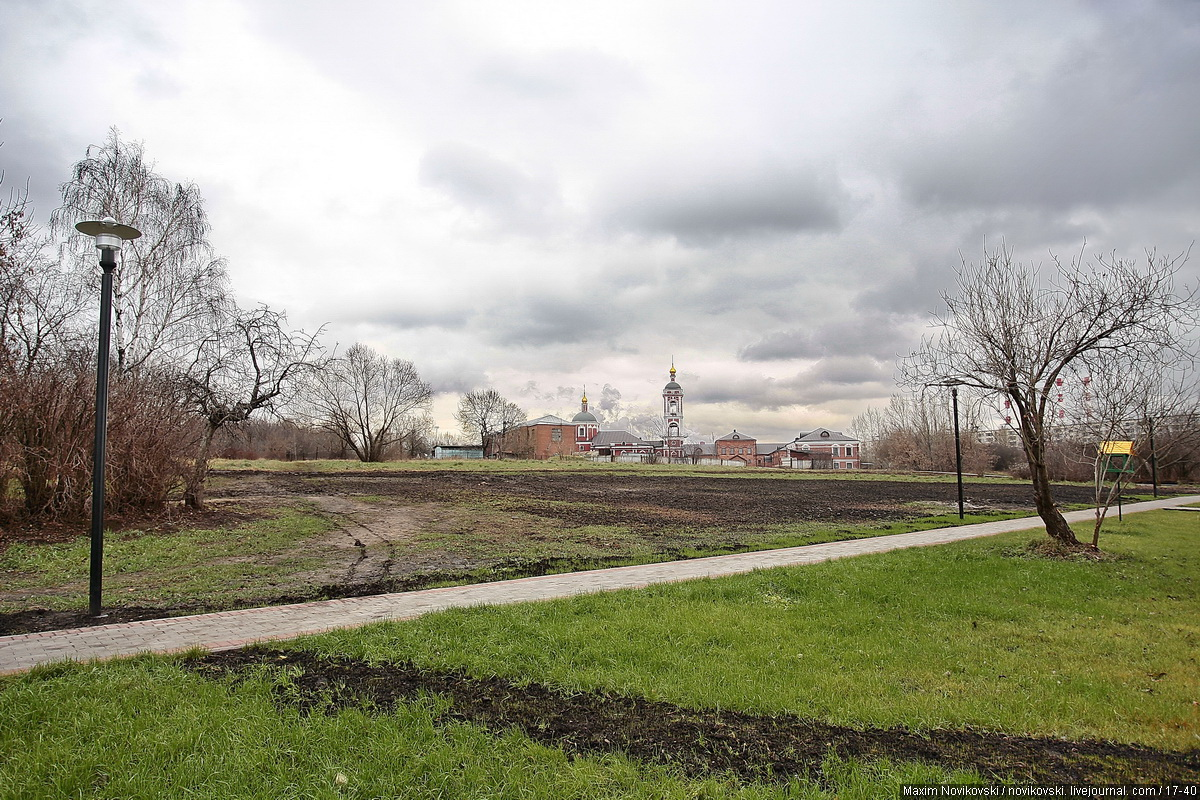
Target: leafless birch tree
{"points": [[166, 281]]}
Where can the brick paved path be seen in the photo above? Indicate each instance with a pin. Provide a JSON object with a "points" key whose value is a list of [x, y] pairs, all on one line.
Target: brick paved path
{"points": [[230, 629]]}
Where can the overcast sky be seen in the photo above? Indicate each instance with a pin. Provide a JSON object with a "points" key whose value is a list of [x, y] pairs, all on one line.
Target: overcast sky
{"points": [[535, 196]]}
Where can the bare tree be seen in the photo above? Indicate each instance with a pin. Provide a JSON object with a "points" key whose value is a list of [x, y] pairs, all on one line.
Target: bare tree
{"points": [[1012, 334], [486, 415], [250, 360], [1109, 399], [166, 281], [369, 401], [39, 303], [44, 428]]}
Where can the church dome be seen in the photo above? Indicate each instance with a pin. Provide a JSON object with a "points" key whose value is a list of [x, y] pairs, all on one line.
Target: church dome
{"points": [[584, 416], [672, 386]]}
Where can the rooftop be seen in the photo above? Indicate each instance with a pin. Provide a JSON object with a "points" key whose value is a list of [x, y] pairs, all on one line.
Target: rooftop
{"points": [[549, 419]]}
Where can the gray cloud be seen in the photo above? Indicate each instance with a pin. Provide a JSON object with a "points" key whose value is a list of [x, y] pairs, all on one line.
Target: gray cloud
{"points": [[840, 379], [830, 379], [480, 182], [1114, 119], [903, 293], [34, 162], [575, 86], [873, 335], [545, 320], [847, 371], [451, 377], [404, 316], [706, 204]]}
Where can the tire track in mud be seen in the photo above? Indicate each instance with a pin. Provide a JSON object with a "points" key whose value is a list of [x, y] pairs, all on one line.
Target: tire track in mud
{"points": [[348, 515]]}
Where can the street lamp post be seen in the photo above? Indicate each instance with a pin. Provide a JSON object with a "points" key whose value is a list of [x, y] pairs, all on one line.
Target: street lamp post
{"points": [[957, 450], [109, 235], [957, 440]]}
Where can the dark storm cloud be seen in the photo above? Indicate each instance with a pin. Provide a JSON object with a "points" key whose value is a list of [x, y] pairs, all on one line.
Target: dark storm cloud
{"points": [[713, 203], [36, 162], [1115, 120], [480, 182]]}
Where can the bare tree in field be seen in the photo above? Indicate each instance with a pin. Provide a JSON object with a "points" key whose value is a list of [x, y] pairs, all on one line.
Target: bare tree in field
{"points": [[250, 360], [45, 425], [1012, 332], [917, 432], [371, 402], [39, 303], [485, 414], [167, 280], [1117, 401]]}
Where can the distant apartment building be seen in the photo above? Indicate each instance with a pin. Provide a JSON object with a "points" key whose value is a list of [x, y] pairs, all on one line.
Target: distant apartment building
{"points": [[1006, 436]]}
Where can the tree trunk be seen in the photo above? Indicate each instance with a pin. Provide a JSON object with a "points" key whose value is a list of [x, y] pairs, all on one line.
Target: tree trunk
{"points": [[1056, 524], [193, 491]]}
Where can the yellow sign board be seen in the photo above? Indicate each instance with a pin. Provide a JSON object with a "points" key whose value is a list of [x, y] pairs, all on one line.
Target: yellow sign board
{"points": [[1116, 448]]}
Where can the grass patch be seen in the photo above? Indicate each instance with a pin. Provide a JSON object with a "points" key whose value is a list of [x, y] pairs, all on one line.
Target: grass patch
{"points": [[958, 635], [215, 566], [146, 729], [949, 636]]}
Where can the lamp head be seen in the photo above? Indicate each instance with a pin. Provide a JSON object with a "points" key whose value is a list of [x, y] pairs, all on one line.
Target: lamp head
{"points": [[109, 233]]}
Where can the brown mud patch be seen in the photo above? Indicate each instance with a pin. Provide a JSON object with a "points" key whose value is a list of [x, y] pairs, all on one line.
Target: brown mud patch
{"points": [[652, 501], [698, 742]]}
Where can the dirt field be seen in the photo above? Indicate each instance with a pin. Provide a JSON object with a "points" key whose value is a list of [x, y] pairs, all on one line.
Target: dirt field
{"points": [[402, 530], [405, 530]]}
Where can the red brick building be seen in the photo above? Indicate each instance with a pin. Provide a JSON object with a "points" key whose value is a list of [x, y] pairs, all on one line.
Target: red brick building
{"points": [[737, 447], [544, 437], [818, 449]]}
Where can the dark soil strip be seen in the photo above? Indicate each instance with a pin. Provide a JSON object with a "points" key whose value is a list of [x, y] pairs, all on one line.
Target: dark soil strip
{"points": [[696, 741]]}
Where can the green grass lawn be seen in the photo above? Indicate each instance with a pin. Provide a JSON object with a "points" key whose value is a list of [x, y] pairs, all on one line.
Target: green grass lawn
{"points": [[481, 536], [250, 563], [221, 565], [970, 634], [973, 633]]}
